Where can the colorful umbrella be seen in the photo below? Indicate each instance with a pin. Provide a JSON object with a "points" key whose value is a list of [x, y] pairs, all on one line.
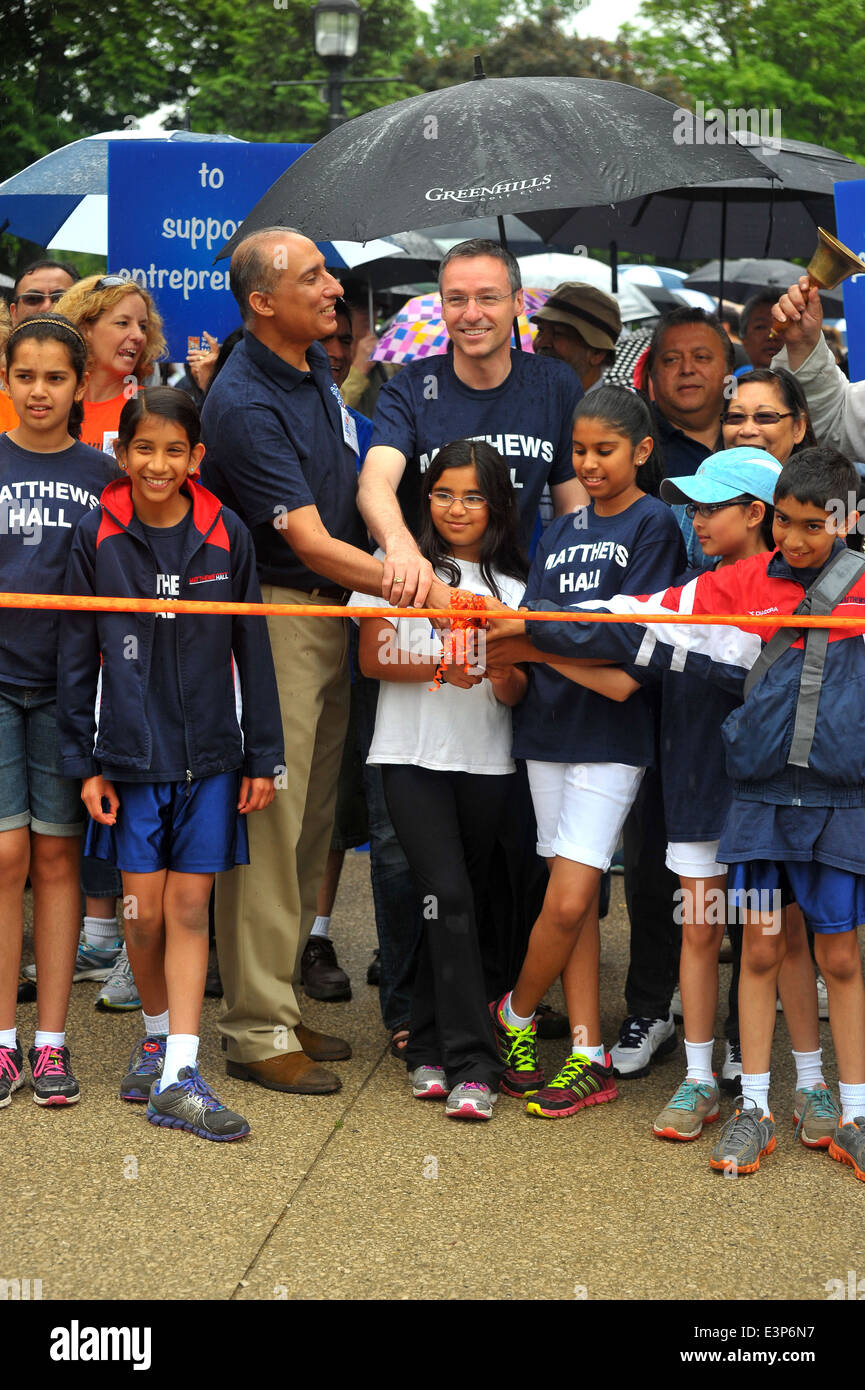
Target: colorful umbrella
{"points": [[419, 331]]}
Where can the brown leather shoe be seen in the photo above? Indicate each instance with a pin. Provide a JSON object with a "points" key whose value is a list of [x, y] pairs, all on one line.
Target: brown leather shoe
{"points": [[288, 1071], [322, 1047]]}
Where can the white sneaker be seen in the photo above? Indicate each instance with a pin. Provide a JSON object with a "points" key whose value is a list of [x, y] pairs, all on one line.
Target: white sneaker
{"points": [[642, 1041], [731, 1072], [822, 998], [676, 1005]]}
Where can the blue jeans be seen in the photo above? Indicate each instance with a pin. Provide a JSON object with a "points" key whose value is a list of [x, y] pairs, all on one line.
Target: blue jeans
{"points": [[398, 918]]}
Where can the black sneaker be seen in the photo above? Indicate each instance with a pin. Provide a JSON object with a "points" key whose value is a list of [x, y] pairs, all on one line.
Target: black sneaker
{"points": [[373, 970], [320, 974], [145, 1065], [52, 1079], [11, 1065]]}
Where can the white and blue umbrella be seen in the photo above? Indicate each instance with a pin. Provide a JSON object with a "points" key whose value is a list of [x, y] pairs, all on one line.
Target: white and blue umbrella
{"points": [[660, 275]]}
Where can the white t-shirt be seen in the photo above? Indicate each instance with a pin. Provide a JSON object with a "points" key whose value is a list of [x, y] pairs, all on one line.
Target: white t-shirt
{"points": [[449, 729]]}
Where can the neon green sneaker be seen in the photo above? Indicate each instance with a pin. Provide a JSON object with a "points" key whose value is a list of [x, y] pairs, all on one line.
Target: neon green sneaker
{"points": [[518, 1049], [579, 1083]]}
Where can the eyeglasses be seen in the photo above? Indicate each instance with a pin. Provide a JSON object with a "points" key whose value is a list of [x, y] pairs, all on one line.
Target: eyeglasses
{"points": [[707, 509], [108, 282], [735, 418], [472, 500], [34, 299], [483, 301]]}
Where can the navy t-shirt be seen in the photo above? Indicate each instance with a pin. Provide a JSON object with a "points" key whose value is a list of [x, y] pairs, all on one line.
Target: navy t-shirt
{"points": [[163, 709], [585, 556], [681, 456], [528, 418], [275, 442], [42, 499]]}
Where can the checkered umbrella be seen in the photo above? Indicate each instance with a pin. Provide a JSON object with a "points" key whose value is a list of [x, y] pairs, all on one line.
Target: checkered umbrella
{"points": [[419, 331]]}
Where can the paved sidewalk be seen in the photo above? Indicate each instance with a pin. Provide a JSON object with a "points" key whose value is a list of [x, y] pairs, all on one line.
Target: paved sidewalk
{"points": [[369, 1194]]}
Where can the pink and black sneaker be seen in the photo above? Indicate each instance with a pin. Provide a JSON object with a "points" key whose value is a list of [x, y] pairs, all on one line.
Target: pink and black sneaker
{"points": [[52, 1079], [11, 1073]]}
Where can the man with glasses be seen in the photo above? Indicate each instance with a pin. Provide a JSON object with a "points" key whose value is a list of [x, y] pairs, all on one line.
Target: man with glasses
{"points": [[38, 288]]}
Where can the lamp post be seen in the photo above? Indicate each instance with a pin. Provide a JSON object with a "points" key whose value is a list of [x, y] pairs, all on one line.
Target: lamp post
{"points": [[337, 27]]}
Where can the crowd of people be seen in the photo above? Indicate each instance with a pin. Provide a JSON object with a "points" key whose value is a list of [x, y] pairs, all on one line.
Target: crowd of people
{"points": [[190, 776]]}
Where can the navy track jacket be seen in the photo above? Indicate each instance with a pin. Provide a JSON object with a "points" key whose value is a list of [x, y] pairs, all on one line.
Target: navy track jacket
{"points": [[111, 557]]}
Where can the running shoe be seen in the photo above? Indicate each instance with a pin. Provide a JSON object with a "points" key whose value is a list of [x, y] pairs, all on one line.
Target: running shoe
{"points": [[848, 1145], [190, 1104], [52, 1079], [428, 1083], [11, 1073], [579, 1083], [744, 1140], [90, 964], [641, 1042], [120, 992], [145, 1065], [471, 1100], [816, 1115], [518, 1049], [695, 1104], [822, 998], [731, 1071], [676, 1005]]}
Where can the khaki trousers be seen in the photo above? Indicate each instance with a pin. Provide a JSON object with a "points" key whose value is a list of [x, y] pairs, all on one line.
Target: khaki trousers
{"points": [[265, 910]]}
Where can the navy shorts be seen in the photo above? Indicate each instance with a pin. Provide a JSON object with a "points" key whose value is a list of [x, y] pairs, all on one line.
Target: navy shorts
{"points": [[832, 900], [188, 827]]}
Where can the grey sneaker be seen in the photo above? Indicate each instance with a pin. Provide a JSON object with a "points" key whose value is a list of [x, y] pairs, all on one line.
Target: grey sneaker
{"points": [[428, 1083], [695, 1104], [120, 990], [145, 1066], [90, 964], [816, 1115], [731, 1071], [848, 1145], [190, 1104], [471, 1100], [641, 1042], [744, 1140]]}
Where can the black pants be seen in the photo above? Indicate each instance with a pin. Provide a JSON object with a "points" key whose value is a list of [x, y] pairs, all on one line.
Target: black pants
{"points": [[514, 893], [650, 888], [446, 823]]}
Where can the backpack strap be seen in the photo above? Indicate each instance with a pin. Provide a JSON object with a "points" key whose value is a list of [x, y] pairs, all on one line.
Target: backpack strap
{"points": [[831, 585]]}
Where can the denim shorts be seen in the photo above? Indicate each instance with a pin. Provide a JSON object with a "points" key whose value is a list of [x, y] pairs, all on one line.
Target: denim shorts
{"points": [[32, 791]]}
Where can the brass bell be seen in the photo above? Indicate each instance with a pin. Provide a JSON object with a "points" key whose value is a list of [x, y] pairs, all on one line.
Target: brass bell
{"points": [[831, 263]]}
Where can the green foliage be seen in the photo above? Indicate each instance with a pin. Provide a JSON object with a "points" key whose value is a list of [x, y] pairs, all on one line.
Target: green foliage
{"points": [[803, 57], [464, 23], [537, 46]]}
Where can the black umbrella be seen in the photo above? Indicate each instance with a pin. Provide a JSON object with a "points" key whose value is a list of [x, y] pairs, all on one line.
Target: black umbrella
{"points": [[486, 148], [743, 278], [750, 216]]}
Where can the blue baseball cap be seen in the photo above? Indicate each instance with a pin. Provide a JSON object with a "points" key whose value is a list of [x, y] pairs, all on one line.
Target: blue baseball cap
{"points": [[728, 474]]}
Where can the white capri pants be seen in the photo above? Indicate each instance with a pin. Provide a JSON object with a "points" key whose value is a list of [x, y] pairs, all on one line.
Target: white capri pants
{"points": [[697, 860]]}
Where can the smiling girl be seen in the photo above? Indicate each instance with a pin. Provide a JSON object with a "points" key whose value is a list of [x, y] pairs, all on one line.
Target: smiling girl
{"points": [[123, 330]]}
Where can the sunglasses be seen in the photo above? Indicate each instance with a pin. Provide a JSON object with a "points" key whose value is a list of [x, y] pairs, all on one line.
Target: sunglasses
{"points": [[34, 299], [760, 417], [108, 282]]}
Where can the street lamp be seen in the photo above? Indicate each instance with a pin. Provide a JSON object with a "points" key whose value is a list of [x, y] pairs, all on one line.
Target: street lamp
{"points": [[337, 27]]}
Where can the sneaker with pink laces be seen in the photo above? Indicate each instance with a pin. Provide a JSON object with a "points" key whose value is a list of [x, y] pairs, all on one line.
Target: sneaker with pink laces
{"points": [[11, 1073], [52, 1079]]}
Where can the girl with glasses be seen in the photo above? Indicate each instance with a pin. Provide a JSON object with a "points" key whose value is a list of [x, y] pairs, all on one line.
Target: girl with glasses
{"points": [[447, 767]]}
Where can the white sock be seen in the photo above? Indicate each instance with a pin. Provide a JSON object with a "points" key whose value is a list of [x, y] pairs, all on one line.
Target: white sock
{"points": [[591, 1054], [809, 1069], [699, 1057], [513, 1020], [181, 1051], [321, 927], [755, 1087], [9, 1038], [100, 933], [852, 1102], [44, 1039], [155, 1025]]}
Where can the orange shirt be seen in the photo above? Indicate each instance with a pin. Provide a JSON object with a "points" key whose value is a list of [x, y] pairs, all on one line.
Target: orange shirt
{"points": [[8, 418], [101, 419]]}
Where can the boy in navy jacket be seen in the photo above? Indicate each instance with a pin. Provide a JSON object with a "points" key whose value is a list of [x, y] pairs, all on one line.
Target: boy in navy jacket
{"points": [[149, 716], [796, 828]]}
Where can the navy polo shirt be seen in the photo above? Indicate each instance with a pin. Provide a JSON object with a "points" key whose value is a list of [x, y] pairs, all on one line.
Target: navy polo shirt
{"points": [[527, 417], [681, 456], [274, 441]]}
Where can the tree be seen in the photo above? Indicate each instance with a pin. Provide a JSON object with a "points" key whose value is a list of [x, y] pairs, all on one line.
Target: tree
{"points": [[463, 23], [538, 46], [803, 58]]}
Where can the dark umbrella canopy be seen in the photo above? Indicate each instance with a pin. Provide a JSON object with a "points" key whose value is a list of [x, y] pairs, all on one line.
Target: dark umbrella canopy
{"points": [[486, 148], [762, 219], [743, 278]]}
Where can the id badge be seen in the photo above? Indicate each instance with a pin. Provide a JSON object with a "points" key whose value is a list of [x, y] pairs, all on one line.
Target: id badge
{"points": [[349, 429]]}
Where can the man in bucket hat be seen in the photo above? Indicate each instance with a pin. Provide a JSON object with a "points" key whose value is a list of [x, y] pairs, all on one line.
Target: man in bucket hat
{"points": [[580, 325]]}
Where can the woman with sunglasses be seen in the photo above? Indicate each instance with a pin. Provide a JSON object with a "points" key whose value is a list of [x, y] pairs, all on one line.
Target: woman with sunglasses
{"points": [[768, 412], [123, 330]]}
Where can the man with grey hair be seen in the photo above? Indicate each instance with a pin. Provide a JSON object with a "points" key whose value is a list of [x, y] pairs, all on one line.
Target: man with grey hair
{"points": [[281, 453]]}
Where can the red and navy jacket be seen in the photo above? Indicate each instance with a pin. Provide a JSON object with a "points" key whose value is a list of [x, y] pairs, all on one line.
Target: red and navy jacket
{"points": [[758, 734], [109, 654]]}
